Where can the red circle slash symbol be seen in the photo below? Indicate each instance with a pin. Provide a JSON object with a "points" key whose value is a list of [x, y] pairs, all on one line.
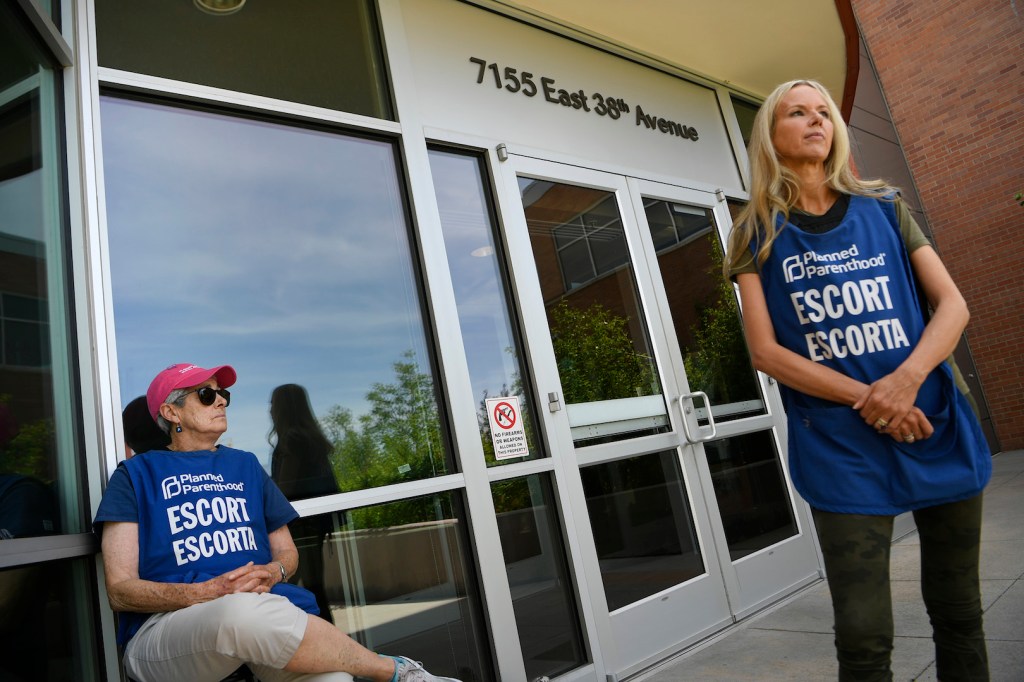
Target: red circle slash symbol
{"points": [[504, 415]]}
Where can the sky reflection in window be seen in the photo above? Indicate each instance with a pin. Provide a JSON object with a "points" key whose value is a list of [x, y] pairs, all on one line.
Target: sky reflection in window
{"points": [[281, 251]]}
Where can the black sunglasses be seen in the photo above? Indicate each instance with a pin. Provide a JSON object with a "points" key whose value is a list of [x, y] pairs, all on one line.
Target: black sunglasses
{"points": [[207, 395]]}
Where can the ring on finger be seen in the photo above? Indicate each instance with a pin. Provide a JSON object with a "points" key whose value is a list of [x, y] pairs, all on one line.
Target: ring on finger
{"points": [[881, 423], [909, 437]]}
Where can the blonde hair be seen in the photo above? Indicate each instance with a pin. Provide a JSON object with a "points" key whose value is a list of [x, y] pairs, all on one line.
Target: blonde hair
{"points": [[774, 189]]}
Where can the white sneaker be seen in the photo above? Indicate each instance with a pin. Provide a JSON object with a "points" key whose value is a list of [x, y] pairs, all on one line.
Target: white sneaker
{"points": [[407, 670]]}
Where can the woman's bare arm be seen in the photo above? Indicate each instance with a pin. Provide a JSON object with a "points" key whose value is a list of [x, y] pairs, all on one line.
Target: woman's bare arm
{"points": [[800, 373], [772, 358], [892, 396], [127, 592]]}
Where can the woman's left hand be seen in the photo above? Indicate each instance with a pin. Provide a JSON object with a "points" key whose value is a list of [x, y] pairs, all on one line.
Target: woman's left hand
{"points": [[889, 401], [252, 577], [914, 427]]}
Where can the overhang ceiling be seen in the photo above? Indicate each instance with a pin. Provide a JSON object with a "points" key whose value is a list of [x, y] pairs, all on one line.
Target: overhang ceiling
{"points": [[751, 45]]}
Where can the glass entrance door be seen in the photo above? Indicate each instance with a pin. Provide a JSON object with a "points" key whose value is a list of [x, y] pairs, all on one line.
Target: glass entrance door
{"points": [[639, 354], [763, 531]]}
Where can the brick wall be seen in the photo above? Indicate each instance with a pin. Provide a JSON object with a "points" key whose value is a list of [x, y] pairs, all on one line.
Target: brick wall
{"points": [[952, 72]]}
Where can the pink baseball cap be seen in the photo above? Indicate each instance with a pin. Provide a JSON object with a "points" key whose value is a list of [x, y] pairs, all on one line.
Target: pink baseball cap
{"points": [[184, 375]]}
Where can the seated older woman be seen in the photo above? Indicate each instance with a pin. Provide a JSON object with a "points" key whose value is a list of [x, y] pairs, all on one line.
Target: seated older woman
{"points": [[197, 554]]}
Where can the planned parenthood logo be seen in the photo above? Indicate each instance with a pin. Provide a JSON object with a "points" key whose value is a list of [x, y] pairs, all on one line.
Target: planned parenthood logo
{"points": [[793, 268], [813, 264], [185, 484], [171, 487]]}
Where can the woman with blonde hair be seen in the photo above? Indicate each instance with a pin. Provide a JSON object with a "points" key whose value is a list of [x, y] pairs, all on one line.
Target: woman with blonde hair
{"points": [[835, 278]]}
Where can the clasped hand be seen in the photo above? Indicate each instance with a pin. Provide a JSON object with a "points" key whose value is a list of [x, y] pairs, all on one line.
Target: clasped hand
{"points": [[258, 578], [888, 407]]}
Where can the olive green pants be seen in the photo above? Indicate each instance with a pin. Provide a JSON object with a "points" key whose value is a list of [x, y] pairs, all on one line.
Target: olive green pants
{"points": [[856, 549]]}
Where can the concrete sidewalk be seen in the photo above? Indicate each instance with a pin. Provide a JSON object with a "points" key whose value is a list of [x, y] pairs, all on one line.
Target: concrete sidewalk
{"points": [[792, 641]]}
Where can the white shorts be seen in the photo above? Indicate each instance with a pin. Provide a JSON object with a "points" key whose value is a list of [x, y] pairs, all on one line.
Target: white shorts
{"points": [[209, 641]]}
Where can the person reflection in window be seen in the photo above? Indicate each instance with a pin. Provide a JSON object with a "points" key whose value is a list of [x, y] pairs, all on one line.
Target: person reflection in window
{"points": [[301, 467], [141, 434]]}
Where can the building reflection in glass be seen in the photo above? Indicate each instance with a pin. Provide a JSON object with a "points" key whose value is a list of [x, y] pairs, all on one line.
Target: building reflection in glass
{"points": [[399, 579]]}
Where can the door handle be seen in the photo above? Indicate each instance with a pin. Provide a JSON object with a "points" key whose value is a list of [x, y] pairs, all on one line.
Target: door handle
{"points": [[686, 408]]}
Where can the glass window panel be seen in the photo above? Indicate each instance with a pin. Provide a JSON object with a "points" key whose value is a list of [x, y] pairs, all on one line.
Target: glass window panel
{"points": [[492, 346], [47, 610], [21, 60], [660, 223], [577, 264], [705, 312], [609, 248], [52, 7], [690, 221], [598, 329], [643, 529], [46, 617], [604, 213], [399, 579], [23, 308], [566, 234], [40, 456], [284, 252], [327, 54], [546, 612], [26, 344], [745, 113], [751, 491], [20, 153]]}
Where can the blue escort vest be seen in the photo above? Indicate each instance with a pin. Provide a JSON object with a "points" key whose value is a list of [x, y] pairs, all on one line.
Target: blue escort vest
{"points": [[846, 299], [202, 514]]}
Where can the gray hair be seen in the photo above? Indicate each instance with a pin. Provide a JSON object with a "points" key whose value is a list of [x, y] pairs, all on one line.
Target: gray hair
{"points": [[175, 397]]}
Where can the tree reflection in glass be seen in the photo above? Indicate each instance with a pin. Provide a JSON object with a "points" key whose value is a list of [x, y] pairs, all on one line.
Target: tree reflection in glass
{"points": [[398, 436], [598, 330], [705, 314]]}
